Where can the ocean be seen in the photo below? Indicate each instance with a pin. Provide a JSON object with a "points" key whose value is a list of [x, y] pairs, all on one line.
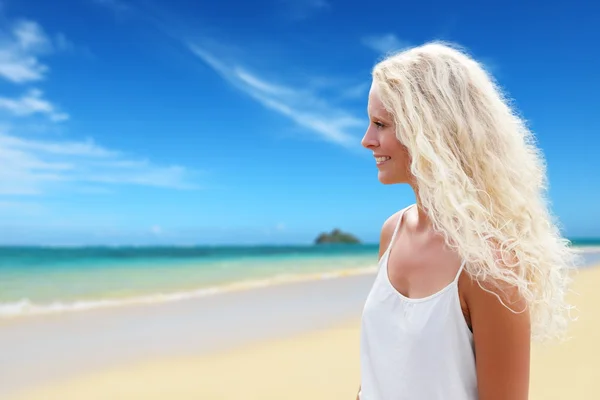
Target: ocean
{"points": [[42, 280]]}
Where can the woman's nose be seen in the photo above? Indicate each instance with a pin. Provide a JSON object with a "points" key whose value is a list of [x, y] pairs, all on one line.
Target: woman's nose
{"points": [[369, 140]]}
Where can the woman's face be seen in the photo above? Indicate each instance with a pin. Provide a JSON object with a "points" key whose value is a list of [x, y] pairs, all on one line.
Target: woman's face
{"points": [[391, 157]]}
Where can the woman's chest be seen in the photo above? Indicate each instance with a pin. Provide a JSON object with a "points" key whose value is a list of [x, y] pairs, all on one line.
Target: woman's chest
{"points": [[418, 270]]}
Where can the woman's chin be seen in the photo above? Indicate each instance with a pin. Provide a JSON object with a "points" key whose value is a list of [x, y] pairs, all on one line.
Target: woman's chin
{"points": [[388, 179], [385, 179]]}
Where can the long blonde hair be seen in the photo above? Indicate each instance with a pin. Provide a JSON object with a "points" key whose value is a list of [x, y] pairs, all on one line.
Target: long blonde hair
{"points": [[479, 176]]}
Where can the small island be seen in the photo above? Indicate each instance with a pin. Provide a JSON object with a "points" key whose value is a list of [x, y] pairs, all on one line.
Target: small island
{"points": [[336, 236]]}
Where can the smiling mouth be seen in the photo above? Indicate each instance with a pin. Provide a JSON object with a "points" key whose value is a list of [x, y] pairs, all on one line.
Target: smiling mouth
{"points": [[381, 160]]}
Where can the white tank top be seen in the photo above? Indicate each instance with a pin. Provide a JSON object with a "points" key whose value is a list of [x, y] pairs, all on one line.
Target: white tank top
{"points": [[415, 349]]}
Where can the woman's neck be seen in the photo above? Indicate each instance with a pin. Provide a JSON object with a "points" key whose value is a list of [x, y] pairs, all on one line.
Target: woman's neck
{"points": [[423, 221]]}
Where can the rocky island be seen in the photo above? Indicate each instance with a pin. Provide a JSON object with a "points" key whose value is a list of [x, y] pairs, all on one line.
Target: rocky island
{"points": [[336, 236]]}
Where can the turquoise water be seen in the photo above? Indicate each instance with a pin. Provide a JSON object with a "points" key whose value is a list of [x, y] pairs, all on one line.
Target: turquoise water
{"points": [[34, 279], [39, 280]]}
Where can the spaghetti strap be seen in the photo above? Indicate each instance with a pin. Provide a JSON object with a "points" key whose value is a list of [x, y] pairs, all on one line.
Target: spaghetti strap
{"points": [[389, 246], [460, 270]]}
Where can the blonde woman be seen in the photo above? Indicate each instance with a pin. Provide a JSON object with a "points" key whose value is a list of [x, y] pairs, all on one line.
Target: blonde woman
{"points": [[476, 268]]}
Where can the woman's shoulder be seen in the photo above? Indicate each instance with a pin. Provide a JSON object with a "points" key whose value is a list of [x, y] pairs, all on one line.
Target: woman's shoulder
{"points": [[388, 228]]}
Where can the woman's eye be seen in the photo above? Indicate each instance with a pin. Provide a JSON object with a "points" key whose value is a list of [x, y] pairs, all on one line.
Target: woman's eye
{"points": [[378, 124]]}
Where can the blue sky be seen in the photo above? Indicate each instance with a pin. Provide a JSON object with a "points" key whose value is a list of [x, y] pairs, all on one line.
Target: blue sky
{"points": [[183, 122]]}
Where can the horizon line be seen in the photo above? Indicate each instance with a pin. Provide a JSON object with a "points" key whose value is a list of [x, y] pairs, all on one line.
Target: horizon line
{"points": [[576, 241]]}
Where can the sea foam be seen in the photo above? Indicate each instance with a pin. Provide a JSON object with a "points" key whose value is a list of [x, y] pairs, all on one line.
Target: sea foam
{"points": [[25, 307]]}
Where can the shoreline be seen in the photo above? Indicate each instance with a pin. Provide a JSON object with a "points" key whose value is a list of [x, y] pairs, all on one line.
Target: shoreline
{"points": [[23, 309], [319, 362], [14, 311], [53, 348]]}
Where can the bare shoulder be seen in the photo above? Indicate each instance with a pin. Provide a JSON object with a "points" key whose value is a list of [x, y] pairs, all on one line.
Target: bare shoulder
{"points": [[500, 323], [387, 231]]}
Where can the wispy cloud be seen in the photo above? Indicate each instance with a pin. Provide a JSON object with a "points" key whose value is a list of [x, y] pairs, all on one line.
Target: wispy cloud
{"points": [[32, 103], [384, 43], [300, 103], [302, 106], [355, 91], [34, 167], [31, 166]]}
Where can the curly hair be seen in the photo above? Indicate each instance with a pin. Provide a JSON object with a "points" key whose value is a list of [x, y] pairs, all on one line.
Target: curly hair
{"points": [[479, 176]]}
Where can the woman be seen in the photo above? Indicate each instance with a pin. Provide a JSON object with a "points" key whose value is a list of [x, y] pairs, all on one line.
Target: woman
{"points": [[476, 268]]}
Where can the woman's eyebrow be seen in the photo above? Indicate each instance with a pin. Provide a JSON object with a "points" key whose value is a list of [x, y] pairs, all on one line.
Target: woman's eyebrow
{"points": [[379, 117]]}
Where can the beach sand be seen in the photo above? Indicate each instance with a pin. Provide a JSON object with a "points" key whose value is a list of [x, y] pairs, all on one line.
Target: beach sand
{"points": [[323, 363]]}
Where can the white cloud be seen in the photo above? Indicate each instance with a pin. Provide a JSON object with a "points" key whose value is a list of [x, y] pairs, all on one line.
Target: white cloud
{"points": [[29, 36], [34, 167], [384, 43], [21, 45], [32, 103], [84, 149], [302, 106], [20, 48]]}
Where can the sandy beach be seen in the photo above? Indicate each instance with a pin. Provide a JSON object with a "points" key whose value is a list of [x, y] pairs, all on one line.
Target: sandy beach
{"points": [[299, 342]]}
